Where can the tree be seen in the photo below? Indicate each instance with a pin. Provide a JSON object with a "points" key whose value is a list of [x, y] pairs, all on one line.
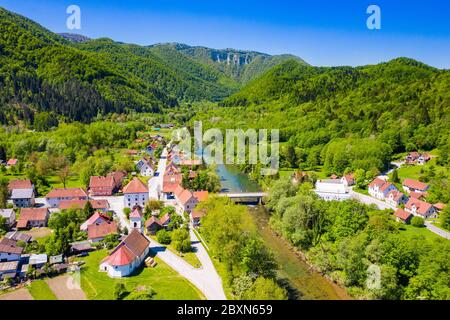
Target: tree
{"points": [[4, 192], [3, 226], [63, 175], [120, 291], [360, 179], [256, 259], [181, 240], [88, 210], [395, 178], [163, 237], [445, 217], [417, 222], [265, 289], [291, 157]]}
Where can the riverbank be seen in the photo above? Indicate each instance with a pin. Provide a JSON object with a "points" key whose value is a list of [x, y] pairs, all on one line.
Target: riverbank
{"points": [[301, 280]]}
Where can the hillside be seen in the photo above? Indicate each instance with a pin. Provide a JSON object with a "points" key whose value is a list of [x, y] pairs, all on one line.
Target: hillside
{"points": [[242, 66], [346, 117], [39, 71]]}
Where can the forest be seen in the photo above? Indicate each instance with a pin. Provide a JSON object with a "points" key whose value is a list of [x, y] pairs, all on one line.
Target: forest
{"points": [[346, 240]]}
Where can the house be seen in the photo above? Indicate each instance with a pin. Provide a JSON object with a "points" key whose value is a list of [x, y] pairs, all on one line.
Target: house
{"points": [[9, 216], [403, 216], [417, 158], [22, 193], [185, 199], [137, 219], [153, 225], [396, 198], [118, 177], [411, 185], [8, 269], [80, 247], [38, 260], [420, 208], [56, 259], [135, 194], [439, 206], [191, 162], [298, 177], [20, 184], [9, 251], [127, 256], [201, 196], [145, 167], [170, 184], [196, 215], [423, 159], [33, 218], [98, 205], [96, 218], [12, 162], [98, 232], [348, 180], [101, 186], [379, 188], [18, 236], [22, 198], [132, 152], [331, 190], [57, 195], [418, 195], [165, 220]]}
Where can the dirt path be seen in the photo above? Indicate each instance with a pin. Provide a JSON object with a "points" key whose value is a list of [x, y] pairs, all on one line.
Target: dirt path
{"points": [[21, 294], [65, 288]]}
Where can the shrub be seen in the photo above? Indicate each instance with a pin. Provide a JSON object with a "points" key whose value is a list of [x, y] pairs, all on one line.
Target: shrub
{"points": [[163, 237], [417, 222]]}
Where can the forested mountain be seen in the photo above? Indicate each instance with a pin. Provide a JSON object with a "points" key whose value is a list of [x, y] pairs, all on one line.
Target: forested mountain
{"points": [[39, 71], [170, 71], [347, 117], [242, 66]]}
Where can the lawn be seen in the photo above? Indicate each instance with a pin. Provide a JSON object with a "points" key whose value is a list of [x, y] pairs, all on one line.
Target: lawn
{"points": [[411, 232], [168, 284], [415, 172], [189, 257], [40, 290]]}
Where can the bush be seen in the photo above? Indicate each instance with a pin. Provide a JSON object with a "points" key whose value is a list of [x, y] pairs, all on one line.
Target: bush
{"points": [[417, 222], [181, 240], [163, 237]]}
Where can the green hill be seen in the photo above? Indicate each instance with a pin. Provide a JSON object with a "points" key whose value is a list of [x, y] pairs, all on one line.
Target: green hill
{"points": [[346, 117], [40, 71]]}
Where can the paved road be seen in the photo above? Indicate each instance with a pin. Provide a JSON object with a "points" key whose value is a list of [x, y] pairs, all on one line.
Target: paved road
{"points": [[155, 184], [438, 231], [370, 200]]}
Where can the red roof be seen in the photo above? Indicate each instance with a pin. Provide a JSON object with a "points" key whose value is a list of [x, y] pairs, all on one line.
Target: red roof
{"points": [[10, 246], [122, 256], [201, 195], [198, 214], [102, 182], [414, 184], [136, 213], [417, 195], [31, 214], [184, 196], [118, 176], [439, 206], [170, 183], [101, 230], [165, 219], [79, 204], [402, 214], [385, 186], [20, 184], [12, 162], [67, 193], [92, 219], [135, 186], [151, 221], [377, 182], [421, 206], [396, 195]]}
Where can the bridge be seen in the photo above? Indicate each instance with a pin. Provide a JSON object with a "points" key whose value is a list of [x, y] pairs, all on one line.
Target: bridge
{"points": [[245, 197]]}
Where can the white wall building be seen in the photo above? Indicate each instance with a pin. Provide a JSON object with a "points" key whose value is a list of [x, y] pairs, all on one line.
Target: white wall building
{"points": [[330, 190]]}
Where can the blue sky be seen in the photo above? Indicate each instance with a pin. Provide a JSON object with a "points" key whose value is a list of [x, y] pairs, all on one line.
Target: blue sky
{"points": [[321, 32]]}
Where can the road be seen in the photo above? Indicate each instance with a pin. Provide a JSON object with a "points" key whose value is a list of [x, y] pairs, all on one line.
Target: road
{"points": [[438, 231], [370, 200], [155, 184]]}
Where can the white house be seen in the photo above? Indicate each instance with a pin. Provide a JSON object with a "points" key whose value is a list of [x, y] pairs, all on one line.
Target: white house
{"points": [[332, 189], [55, 196], [135, 194], [396, 198], [137, 219], [411, 185], [9, 251], [420, 208], [380, 189], [22, 198], [127, 256], [9, 216], [185, 199], [145, 167]]}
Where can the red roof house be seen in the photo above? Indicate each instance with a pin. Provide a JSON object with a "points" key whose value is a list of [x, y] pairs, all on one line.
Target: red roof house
{"points": [[33, 218], [403, 216], [57, 195], [102, 186], [96, 218], [413, 185], [419, 208], [97, 232]]}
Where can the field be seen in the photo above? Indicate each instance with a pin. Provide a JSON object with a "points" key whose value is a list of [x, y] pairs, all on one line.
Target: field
{"points": [[415, 172], [20, 294], [66, 288], [40, 290], [165, 281], [409, 231]]}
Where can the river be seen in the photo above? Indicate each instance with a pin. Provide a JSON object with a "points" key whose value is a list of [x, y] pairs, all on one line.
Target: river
{"points": [[303, 283]]}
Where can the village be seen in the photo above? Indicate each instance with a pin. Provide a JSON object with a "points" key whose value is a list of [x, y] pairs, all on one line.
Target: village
{"points": [[126, 212], [407, 201]]}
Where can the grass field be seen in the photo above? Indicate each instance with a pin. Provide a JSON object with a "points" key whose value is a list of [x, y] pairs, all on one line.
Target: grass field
{"points": [[168, 284], [40, 290], [415, 172], [411, 232], [189, 257]]}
